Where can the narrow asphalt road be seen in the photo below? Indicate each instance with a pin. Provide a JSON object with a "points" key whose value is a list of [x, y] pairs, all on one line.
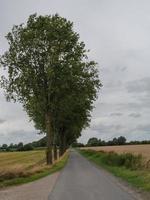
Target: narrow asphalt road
{"points": [[82, 180]]}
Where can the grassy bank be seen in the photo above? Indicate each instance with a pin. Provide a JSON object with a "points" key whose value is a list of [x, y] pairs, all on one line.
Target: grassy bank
{"points": [[23, 167], [128, 167], [143, 149]]}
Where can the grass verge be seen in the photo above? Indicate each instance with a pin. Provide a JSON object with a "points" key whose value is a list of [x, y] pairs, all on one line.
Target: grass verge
{"points": [[46, 171], [138, 177]]}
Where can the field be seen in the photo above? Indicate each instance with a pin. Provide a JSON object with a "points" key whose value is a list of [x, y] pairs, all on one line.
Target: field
{"points": [[144, 150], [14, 164], [27, 165]]}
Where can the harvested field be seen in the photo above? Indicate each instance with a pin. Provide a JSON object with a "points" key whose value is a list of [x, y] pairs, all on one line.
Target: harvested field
{"points": [[16, 164], [23, 167], [144, 150]]}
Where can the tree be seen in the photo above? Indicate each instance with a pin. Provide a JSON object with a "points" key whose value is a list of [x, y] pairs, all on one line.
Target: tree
{"points": [[47, 66], [4, 146], [20, 146], [101, 142], [77, 144], [28, 147], [93, 142], [115, 141], [121, 140]]}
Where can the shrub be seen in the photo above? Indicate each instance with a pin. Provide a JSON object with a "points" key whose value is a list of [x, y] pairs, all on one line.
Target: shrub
{"points": [[127, 160], [28, 147]]}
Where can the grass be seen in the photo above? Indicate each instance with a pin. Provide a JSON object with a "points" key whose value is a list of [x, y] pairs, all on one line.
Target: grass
{"points": [[138, 177], [143, 149], [23, 167]]}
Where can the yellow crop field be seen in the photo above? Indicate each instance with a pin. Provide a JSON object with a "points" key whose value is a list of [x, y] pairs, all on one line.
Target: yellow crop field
{"points": [[144, 150], [23, 167], [16, 164]]}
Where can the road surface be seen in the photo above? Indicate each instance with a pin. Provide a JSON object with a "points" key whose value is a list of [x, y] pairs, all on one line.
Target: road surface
{"points": [[82, 180]]}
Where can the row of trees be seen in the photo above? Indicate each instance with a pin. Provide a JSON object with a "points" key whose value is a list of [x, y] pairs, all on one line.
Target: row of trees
{"points": [[115, 141], [98, 142], [91, 142], [50, 74], [24, 147], [16, 147]]}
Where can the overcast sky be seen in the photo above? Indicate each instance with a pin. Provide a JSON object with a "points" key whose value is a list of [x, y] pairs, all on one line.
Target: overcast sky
{"points": [[118, 34]]}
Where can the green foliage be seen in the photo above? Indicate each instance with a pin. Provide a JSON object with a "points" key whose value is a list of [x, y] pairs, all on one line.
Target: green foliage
{"points": [[121, 140], [127, 160], [115, 141], [21, 147], [26, 147], [77, 144], [50, 74], [39, 143], [93, 142], [4, 146], [98, 142]]}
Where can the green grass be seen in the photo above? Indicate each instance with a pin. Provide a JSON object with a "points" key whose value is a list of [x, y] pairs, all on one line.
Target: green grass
{"points": [[139, 177], [37, 174]]}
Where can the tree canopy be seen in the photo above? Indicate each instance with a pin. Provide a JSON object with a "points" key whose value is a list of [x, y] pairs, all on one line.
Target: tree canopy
{"points": [[50, 74]]}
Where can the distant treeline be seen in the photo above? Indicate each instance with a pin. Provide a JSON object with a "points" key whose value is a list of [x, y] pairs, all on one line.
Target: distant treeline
{"points": [[115, 141], [24, 147], [91, 143]]}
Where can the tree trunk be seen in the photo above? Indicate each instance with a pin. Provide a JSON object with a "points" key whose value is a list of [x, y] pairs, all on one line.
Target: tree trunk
{"points": [[60, 150], [55, 152], [49, 157], [62, 146]]}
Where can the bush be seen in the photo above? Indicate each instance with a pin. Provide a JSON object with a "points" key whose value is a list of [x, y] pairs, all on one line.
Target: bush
{"points": [[127, 160], [27, 147]]}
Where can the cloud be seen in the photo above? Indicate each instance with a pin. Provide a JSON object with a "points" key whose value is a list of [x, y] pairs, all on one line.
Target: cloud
{"points": [[121, 68], [19, 136], [124, 68], [116, 114], [113, 84], [144, 128], [2, 121], [139, 90], [139, 86], [107, 128], [134, 106], [134, 115]]}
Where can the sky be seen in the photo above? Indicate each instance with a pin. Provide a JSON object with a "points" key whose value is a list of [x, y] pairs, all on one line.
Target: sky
{"points": [[118, 35]]}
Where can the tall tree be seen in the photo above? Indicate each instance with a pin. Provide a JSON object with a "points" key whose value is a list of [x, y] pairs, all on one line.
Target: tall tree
{"points": [[47, 67]]}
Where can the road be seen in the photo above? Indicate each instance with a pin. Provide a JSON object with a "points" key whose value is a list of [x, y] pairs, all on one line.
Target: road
{"points": [[82, 180]]}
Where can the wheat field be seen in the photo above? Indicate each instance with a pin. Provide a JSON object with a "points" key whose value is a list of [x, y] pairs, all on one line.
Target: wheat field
{"points": [[144, 150], [16, 164]]}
